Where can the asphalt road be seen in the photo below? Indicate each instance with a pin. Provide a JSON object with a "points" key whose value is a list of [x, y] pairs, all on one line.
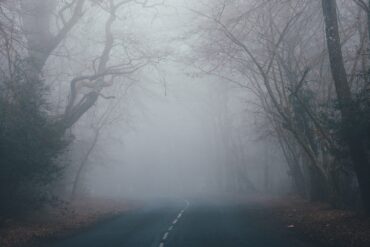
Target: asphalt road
{"points": [[188, 224]]}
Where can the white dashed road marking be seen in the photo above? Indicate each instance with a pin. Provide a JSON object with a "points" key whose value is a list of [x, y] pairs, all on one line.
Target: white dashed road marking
{"points": [[165, 236]]}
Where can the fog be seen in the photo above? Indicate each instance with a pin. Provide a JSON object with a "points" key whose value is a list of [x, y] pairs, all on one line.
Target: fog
{"points": [[172, 144], [173, 137], [184, 122], [167, 136], [175, 98]]}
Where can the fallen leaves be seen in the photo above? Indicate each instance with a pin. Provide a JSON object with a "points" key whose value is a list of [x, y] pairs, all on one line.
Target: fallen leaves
{"points": [[324, 224], [58, 221]]}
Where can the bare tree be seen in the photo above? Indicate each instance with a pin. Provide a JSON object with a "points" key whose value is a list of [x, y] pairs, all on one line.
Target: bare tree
{"points": [[350, 114]]}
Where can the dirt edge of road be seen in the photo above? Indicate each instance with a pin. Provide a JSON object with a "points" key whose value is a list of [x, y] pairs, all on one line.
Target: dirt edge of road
{"points": [[60, 221]]}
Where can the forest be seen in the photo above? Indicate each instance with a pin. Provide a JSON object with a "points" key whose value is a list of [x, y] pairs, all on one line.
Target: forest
{"points": [[133, 100]]}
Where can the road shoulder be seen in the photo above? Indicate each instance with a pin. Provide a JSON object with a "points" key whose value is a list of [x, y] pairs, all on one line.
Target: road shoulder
{"points": [[320, 223], [60, 221]]}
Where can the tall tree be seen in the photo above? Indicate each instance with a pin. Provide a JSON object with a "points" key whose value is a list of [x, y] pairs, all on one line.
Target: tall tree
{"points": [[37, 17], [349, 112]]}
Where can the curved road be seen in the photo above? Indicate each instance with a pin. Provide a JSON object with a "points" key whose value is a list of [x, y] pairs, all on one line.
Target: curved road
{"points": [[183, 224]]}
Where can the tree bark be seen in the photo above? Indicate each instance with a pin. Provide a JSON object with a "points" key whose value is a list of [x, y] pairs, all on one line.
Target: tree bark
{"points": [[353, 135]]}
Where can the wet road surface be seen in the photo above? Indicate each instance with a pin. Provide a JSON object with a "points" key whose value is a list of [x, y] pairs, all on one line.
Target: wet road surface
{"points": [[183, 223]]}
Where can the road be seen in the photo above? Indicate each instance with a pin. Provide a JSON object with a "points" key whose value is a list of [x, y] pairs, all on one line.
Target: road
{"points": [[187, 224]]}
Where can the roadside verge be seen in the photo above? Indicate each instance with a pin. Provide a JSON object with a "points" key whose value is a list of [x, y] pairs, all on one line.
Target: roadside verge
{"points": [[60, 221]]}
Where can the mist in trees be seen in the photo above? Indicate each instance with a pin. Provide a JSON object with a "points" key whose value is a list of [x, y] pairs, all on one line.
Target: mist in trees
{"points": [[175, 98]]}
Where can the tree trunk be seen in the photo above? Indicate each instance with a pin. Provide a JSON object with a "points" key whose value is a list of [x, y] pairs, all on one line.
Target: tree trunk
{"points": [[298, 179], [295, 170], [353, 135], [36, 17], [368, 30], [266, 175], [83, 163], [318, 185]]}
